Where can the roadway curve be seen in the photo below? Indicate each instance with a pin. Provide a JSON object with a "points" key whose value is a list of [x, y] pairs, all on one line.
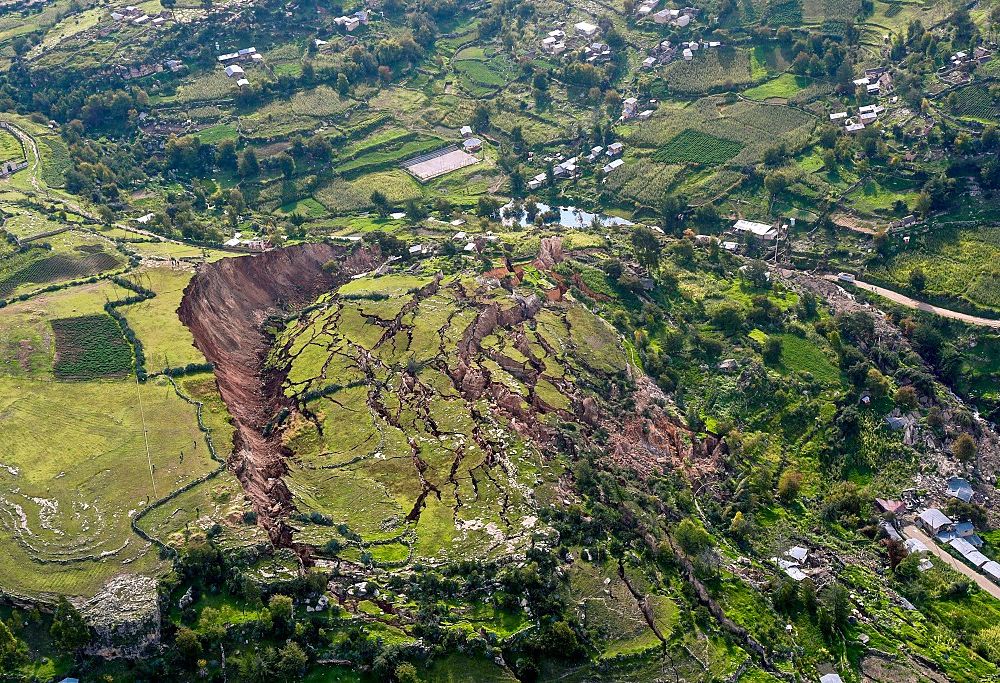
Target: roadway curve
{"points": [[904, 300]]}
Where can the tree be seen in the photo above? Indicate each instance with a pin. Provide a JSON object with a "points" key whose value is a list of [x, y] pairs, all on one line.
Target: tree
{"points": [[282, 610], [381, 203], [987, 643], [728, 317], [692, 537], [343, 85], [406, 673], [741, 527], [292, 662], [188, 645], [906, 398], [964, 448], [13, 652], [646, 246], [249, 165], [414, 212], [839, 604], [772, 350], [918, 280], [69, 631], [789, 485]]}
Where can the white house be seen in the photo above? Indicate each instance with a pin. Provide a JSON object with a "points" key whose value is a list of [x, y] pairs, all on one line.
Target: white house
{"points": [[615, 149], [466, 131], [649, 62], [683, 20], [586, 29], [761, 231], [838, 115], [934, 521], [234, 70], [688, 55], [630, 107], [617, 163]]}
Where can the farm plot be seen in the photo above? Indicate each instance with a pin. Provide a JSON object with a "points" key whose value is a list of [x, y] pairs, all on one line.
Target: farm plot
{"points": [[722, 68], [755, 126], [90, 347], [978, 103], [344, 196], [37, 267], [428, 166], [480, 74], [957, 263], [784, 86], [697, 147], [10, 147], [818, 11], [644, 181]]}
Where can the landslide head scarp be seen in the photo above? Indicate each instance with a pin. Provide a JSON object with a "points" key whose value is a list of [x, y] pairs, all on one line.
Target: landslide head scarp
{"points": [[225, 306]]}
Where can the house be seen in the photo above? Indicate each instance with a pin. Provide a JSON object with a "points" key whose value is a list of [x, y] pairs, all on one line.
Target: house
{"points": [[174, 65], [466, 131], [594, 154], [348, 23], [646, 115], [649, 62], [890, 531], [682, 21], [558, 34], [868, 117], [416, 249], [617, 163], [862, 82], [960, 488], [243, 83], [687, 54], [992, 570], [586, 29], [934, 521], [615, 149], [915, 546], [646, 7], [830, 678], [797, 553], [761, 231], [969, 552], [894, 507], [731, 246], [666, 16], [854, 127], [629, 108], [158, 21], [234, 70], [472, 145]]}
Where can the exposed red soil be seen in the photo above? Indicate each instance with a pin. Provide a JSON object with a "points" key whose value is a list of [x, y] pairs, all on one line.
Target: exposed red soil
{"points": [[225, 307]]}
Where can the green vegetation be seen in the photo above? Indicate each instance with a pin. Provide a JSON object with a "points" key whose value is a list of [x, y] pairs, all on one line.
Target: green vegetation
{"points": [[90, 347]]}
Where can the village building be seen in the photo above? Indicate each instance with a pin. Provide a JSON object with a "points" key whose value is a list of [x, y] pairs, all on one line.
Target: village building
{"points": [[616, 164], [761, 231], [687, 54], [586, 29], [960, 488], [615, 149], [472, 145], [934, 521], [630, 107], [234, 70], [466, 131], [649, 62]]}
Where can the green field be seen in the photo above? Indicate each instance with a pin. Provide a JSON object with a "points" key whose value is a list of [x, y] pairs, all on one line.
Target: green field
{"points": [[697, 147], [165, 340], [782, 87]]}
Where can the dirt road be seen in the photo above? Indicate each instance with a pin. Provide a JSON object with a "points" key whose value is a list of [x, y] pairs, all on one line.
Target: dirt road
{"points": [[904, 300], [956, 564]]}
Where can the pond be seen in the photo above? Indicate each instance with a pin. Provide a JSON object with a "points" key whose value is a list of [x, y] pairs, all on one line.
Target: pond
{"points": [[569, 217]]}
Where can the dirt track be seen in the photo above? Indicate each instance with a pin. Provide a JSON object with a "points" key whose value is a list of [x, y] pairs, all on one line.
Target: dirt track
{"points": [[904, 300], [956, 564]]}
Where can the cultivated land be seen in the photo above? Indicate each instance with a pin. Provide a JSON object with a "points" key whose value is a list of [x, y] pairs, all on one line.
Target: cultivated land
{"points": [[298, 384]]}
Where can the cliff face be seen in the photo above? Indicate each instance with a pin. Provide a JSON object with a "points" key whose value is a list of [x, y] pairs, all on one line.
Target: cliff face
{"points": [[225, 306]]}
